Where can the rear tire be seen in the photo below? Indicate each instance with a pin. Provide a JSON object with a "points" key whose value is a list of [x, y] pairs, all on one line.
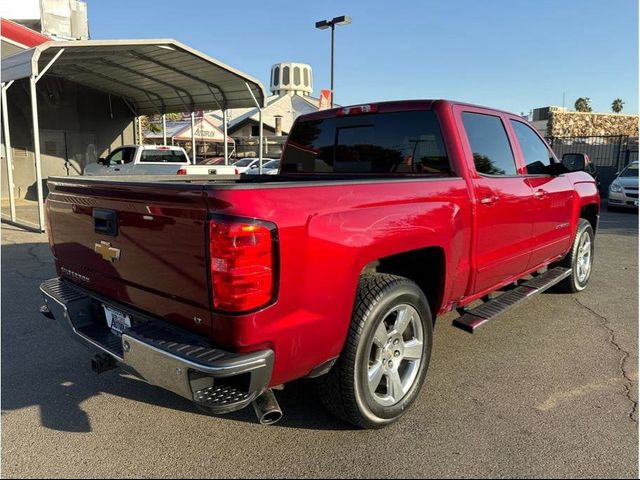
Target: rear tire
{"points": [[386, 356], [579, 260]]}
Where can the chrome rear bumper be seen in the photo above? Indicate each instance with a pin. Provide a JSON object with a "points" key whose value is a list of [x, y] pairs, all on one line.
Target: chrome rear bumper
{"points": [[162, 354]]}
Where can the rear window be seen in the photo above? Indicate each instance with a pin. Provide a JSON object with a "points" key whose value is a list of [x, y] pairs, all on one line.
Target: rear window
{"points": [[163, 156], [382, 143]]}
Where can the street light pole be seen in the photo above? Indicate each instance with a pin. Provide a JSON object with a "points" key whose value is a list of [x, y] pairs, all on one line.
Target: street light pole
{"points": [[323, 25]]}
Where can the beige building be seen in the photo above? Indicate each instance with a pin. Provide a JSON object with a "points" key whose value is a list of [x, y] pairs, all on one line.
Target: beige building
{"points": [[291, 86]]}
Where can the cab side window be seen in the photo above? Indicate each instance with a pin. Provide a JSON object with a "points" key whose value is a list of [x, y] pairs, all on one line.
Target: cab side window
{"points": [[537, 156], [121, 156], [492, 153]]}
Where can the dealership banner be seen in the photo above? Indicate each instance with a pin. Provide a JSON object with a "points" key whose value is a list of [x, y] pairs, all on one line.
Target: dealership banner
{"points": [[325, 99]]}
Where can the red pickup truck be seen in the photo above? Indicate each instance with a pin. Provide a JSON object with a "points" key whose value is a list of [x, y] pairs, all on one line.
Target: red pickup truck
{"points": [[383, 216]]}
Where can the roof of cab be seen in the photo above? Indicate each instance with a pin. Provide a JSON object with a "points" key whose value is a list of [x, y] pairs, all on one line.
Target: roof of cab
{"points": [[398, 105]]}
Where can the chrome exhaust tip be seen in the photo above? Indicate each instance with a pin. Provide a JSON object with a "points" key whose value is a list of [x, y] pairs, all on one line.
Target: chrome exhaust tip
{"points": [[267, 408]]}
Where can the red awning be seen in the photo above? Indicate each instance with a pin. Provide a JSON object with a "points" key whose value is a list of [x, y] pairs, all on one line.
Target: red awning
{"points": [[21, 35]]}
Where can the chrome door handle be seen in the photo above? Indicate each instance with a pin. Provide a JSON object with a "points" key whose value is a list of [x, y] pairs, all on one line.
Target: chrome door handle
{"points": [[490, 200], [540, 194]]}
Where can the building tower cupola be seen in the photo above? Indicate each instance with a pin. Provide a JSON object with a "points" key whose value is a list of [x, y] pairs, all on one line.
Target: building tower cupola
{"points": [[289, 78]]}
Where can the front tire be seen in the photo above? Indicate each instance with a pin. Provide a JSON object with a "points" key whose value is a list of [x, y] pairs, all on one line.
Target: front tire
{"points": [[386, 356], [579, 260]]}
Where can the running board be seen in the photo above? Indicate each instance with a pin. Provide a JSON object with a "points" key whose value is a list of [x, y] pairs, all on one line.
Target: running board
{"points": [[473, 319]]}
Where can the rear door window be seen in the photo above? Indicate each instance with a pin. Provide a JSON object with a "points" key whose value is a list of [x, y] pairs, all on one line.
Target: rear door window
{"points": [[163, 156], [396, 143], [492, 153]]}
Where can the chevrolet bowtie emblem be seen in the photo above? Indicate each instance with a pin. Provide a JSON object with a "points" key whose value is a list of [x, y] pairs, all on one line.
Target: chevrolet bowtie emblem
{"points": [[107, 252]]}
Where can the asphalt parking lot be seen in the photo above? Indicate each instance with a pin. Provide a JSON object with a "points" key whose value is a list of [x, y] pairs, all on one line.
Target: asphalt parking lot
{"points": [[548, 390]]}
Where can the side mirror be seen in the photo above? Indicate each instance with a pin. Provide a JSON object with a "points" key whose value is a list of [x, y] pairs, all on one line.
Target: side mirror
{"points": [[575, 162], [253, 166], [103, 161]]}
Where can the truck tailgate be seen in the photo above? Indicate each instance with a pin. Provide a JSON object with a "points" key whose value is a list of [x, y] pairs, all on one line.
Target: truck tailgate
{"points": [[155, 261]]}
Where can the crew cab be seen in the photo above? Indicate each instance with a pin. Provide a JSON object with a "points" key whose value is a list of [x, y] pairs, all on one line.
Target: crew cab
{"points": [[140, 160], [383, 217]]}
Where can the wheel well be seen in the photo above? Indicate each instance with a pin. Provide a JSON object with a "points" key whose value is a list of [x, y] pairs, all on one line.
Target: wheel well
{"points": [[424, 266], [590, 213]]}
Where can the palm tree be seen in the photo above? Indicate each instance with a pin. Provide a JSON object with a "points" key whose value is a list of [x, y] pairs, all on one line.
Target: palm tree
{"points": [[617, 105], [583, 104]]}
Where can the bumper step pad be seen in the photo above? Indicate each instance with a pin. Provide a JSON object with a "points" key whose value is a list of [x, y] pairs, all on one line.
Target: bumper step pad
{"points": [[220, 395], [475, 318]]}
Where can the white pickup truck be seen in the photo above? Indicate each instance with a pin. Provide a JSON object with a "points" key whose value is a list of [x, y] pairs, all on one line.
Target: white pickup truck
{"points": [[140, 160], [153, 160]]}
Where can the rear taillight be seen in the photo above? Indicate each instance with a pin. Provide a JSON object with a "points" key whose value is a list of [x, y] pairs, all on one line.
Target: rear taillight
{"points": [[182, 171], [242, 264]]}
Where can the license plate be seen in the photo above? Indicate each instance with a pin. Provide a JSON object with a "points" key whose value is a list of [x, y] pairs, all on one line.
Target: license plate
{"points": [[116, 321]]}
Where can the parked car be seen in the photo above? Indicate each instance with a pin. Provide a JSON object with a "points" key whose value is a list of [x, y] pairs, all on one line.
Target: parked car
{"points": [[383, 217], [209, 166], [269, 167], [245, 164], [140, 160], [623, 191]]}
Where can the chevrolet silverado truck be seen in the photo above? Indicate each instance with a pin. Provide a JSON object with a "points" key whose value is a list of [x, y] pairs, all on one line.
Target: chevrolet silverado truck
{"points": [[382, 217]]}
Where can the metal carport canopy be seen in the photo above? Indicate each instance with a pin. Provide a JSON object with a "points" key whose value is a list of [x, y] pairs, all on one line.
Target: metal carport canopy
{"points": [[155, 76], [152, 76]]}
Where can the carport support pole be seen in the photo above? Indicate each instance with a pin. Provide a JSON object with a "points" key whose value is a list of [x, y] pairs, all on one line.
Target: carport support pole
{"points": [[8, 151], [261, 137], [193, 138], [226, 136], [139, 133], [164, 129], [260, 134], [36, 150]]}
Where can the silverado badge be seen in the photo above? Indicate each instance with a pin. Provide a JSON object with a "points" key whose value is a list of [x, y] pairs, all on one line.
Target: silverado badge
{"points": [[107, 252]]}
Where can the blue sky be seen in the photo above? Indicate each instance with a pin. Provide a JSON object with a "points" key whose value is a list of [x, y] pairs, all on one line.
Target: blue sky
{"points": [[509, 54]]}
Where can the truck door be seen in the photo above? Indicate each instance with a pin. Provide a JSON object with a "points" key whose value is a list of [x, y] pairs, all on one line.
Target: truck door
{"points": [[119, 161], [553, 196], [503, 199]]}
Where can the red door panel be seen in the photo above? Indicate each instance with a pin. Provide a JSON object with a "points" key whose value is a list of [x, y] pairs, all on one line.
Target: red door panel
{"points": [[504, 228], [553, 200], [503, 198]]}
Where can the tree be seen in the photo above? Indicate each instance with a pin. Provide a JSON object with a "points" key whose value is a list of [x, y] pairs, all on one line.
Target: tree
{"points": [[617, 105], [154, 123], [583, 104]]}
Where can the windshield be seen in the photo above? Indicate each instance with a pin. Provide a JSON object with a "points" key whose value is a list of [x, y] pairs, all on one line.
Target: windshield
{"points": [[245, 162], [163, 156], [630, 171], [393, 143]]}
